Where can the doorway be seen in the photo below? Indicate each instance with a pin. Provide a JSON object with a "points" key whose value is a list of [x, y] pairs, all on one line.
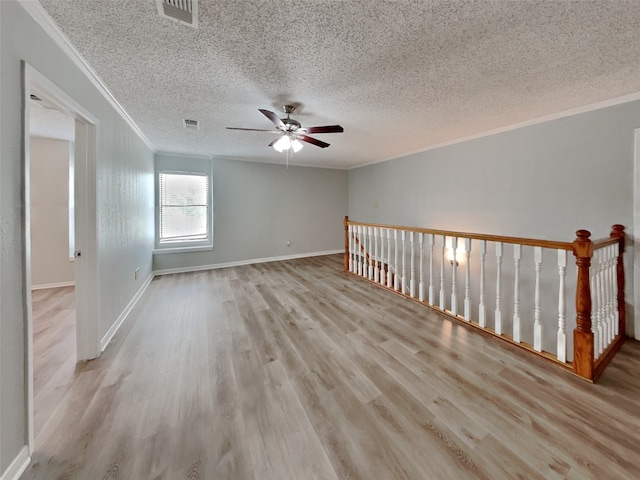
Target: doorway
{"points": [[52, 239], [82, 181]]}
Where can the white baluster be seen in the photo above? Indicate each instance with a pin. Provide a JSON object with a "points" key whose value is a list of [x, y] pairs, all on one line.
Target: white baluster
{"points": [[498, 319], [594, 301], [517, 255], [403, 286], [612, 298], [354, 232], [602, 294], [376, 264], [614, 294], [430, 238], [365, 252], [454, 269], [350, 233], [370, 254], [604, 287], [603, 300], [412, 284], [390, 271], [396, 275], [421, 284], [599, 345], [467, 280], [605, 297], [359, 248], [562, 336], [537, 326], [444, 246], [382, 278], [482, 310]]}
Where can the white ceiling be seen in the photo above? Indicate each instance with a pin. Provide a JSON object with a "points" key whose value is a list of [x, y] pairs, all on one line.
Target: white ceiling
{"points": [[399, 76]]}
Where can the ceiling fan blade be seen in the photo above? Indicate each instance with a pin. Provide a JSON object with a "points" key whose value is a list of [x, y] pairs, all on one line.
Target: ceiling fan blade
{"points": [[273, 117], [271, 144], [313, 141], [325, 129], [253, 129]]}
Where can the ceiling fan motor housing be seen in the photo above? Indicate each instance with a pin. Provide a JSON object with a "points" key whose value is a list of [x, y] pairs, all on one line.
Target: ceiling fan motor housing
{"points": [[290, 124]]}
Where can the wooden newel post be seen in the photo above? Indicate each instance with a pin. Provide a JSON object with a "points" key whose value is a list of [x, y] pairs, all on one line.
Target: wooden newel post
{"points": [[346, 243], [582, 335], [617, 231]]}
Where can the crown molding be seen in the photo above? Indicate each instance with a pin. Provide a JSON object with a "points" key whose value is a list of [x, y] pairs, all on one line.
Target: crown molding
{"points": [[168, 153], [278, 162], [527, 123], [42, 18]]}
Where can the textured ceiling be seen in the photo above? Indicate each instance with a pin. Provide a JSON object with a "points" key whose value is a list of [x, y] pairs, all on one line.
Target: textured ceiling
{"points": [[399, 76]]}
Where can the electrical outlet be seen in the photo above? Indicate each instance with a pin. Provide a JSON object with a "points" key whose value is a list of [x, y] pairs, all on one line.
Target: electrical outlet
{"points": [[136, 273]]}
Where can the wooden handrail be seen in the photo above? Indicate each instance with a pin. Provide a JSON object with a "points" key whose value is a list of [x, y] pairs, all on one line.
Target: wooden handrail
{"points": [[605, 242], [585, 363], [532, 242]]}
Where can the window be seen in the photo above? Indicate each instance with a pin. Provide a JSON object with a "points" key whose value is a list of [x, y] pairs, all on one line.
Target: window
{"points": [[184, 214], [184, 210]]}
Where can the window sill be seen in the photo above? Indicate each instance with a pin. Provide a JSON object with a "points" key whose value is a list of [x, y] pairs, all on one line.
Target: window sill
{"points": [[167, 250]]}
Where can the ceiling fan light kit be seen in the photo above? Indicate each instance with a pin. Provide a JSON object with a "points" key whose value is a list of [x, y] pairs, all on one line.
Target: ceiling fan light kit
{"points": [[286, 142], [292, 134]]}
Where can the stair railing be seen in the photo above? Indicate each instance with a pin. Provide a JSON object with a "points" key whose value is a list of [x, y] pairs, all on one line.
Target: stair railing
{"points": [[496, 268]]}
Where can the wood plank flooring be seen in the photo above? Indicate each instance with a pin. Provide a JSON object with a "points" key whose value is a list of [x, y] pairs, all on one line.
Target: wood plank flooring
{"points": [[54, 350], [295, 370]]}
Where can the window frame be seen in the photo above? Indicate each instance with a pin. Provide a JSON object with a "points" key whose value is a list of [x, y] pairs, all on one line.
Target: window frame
{"points": [[190, 166]]}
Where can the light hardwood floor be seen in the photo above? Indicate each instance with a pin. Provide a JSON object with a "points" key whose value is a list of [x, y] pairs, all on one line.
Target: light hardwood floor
{"points": [[54, 350], [294, 371]]}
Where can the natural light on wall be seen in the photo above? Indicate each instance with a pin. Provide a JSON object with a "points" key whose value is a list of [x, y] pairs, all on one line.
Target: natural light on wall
{"points": [[456, 256]]}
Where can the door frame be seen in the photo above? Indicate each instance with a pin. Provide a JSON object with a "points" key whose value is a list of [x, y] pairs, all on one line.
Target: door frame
{"points": [[634, 329], [86, 231]]}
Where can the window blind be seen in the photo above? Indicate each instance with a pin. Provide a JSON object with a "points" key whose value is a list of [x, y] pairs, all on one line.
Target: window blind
{"points": [[184, 209]]}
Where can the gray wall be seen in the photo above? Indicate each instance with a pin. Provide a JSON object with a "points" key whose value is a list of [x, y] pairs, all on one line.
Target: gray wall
{"points": [[543, 181], [49, 161], [125, 204], [258, 207]]}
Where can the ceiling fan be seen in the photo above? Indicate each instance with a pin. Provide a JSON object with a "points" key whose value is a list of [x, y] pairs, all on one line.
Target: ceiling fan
{"points": [[291, 132]]}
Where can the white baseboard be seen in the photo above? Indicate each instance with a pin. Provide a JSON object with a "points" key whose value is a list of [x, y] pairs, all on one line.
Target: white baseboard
{"points": [[18, 466], [199, 268], [53, 285], [123, 316]]}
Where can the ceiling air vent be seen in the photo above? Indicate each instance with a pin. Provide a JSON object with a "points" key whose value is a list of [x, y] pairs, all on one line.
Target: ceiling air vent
{"points": [[191, 124], [183, 11]]}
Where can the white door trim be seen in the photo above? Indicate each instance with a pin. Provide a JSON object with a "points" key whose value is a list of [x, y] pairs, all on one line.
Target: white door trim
{"points": [[634, 329], [87, 287]]}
